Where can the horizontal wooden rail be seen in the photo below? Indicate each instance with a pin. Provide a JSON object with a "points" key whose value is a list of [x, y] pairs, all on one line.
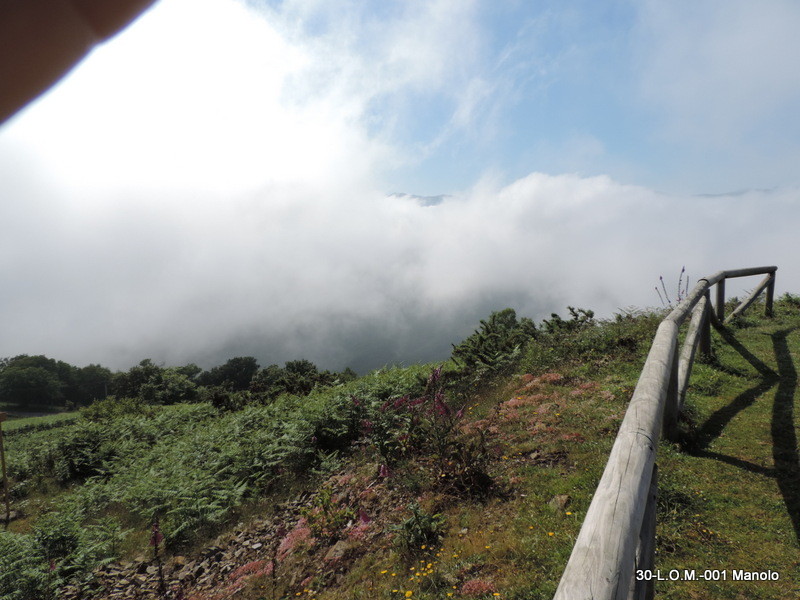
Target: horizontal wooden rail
{"points": [[618, 534]]}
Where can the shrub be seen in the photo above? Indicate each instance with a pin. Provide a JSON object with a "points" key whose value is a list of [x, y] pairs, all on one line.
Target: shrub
{"points": [[23, 572], [790, 300], [111, 407], [581, 319], [420, 532], [226, 400], [583, 340], [495, 343], [57, 536], [325, 517], [429, 425], [81, 453]]}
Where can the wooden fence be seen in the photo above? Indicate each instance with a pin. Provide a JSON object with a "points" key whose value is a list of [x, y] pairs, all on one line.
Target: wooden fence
{"points": [[618, 534]]}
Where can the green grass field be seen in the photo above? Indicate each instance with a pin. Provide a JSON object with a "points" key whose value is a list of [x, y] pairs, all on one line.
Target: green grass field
{"points": [[50, 420], [730, 493]]}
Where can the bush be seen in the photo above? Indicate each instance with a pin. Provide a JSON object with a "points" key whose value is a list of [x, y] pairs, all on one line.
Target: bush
{"points": [[327, 518], [428, 426], [581, 319], [495, 344], [420, 532], [24, 574], [790, 300], [60, 548], [111, 407], [57, 536], [81, 453], [583, 340]]}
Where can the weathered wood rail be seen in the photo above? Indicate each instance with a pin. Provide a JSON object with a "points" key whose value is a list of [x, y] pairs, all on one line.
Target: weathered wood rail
{"points": [[617, 537]]}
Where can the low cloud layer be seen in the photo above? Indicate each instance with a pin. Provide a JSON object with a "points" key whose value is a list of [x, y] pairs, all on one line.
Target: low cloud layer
{"points": [[388, 279], [216, 183]]}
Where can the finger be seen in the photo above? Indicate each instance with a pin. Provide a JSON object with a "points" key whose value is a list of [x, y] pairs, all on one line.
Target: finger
{"points": [[107, 17], [41, 40]]}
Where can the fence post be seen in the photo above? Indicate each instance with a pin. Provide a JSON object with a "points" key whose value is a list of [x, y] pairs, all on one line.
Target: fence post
{"points": [[705, 331], [644, 589], [770, 296], [3, 417], [670, 425], [721, 300]]}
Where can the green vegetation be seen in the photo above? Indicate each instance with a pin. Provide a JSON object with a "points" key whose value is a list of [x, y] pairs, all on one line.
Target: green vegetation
{"points": [[33, 382], [467, 479], [51, 421]]}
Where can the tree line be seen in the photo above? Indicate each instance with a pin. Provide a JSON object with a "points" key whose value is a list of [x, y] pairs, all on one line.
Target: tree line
{"points": [[39, 382]]}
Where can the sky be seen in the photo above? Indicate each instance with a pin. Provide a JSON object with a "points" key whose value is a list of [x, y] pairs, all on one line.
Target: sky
{"points": [[359, 183]]}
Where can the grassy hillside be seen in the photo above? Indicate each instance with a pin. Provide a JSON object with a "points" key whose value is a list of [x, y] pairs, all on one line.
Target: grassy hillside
{"points": [[468, 479]]}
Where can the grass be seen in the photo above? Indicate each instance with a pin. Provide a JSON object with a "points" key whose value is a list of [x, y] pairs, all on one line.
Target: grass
{"points": [[731, 489], [729, 493], [44, 421]]}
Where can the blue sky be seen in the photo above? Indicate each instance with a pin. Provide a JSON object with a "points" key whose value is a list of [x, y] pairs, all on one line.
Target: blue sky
{"points": [[681, 96], [218, 179]]}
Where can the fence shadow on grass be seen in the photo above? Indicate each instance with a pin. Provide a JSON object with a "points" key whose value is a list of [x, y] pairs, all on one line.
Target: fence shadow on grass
{"points": [[786, 459], [784, 437]]}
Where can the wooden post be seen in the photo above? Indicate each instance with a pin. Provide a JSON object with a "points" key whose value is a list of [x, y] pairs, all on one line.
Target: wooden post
{"points": [[770, 296], [705, 331], [745, 304], [3, 417], [646, 552], [721, 301], [670, 424], [688, 351]]}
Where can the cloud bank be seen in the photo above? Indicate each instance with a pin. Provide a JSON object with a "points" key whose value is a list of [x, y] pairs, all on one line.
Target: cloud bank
{"points": [[216, 183]]}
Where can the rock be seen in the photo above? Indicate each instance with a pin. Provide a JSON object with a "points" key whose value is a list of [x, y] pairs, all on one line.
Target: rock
{"points": [[338, 550], [179, 562], [560, 501], [256, 546]]}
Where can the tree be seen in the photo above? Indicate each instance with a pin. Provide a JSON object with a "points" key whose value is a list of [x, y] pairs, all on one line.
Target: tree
{"points": [[32, 387], [234, 375], [191, 370], [128, 385], [269, 381], [168, 387], [301, 376], [93, 382]]}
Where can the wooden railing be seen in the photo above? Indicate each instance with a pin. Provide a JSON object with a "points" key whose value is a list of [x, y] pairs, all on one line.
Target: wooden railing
{"points": [[617, 537]]}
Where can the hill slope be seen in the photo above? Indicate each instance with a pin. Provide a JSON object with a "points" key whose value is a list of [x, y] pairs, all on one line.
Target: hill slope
{"points": [[470, 481]]}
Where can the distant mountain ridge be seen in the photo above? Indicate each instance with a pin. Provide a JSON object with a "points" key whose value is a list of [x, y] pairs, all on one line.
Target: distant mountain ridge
{"points": [[421, 200]]}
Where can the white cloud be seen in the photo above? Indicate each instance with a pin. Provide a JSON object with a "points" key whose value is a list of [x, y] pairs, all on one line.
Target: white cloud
{"points": [[209, 184], [192, 97]]}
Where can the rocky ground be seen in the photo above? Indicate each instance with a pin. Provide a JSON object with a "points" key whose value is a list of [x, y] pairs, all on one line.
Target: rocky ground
{"points": [[284, 545], [311, 542]]}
